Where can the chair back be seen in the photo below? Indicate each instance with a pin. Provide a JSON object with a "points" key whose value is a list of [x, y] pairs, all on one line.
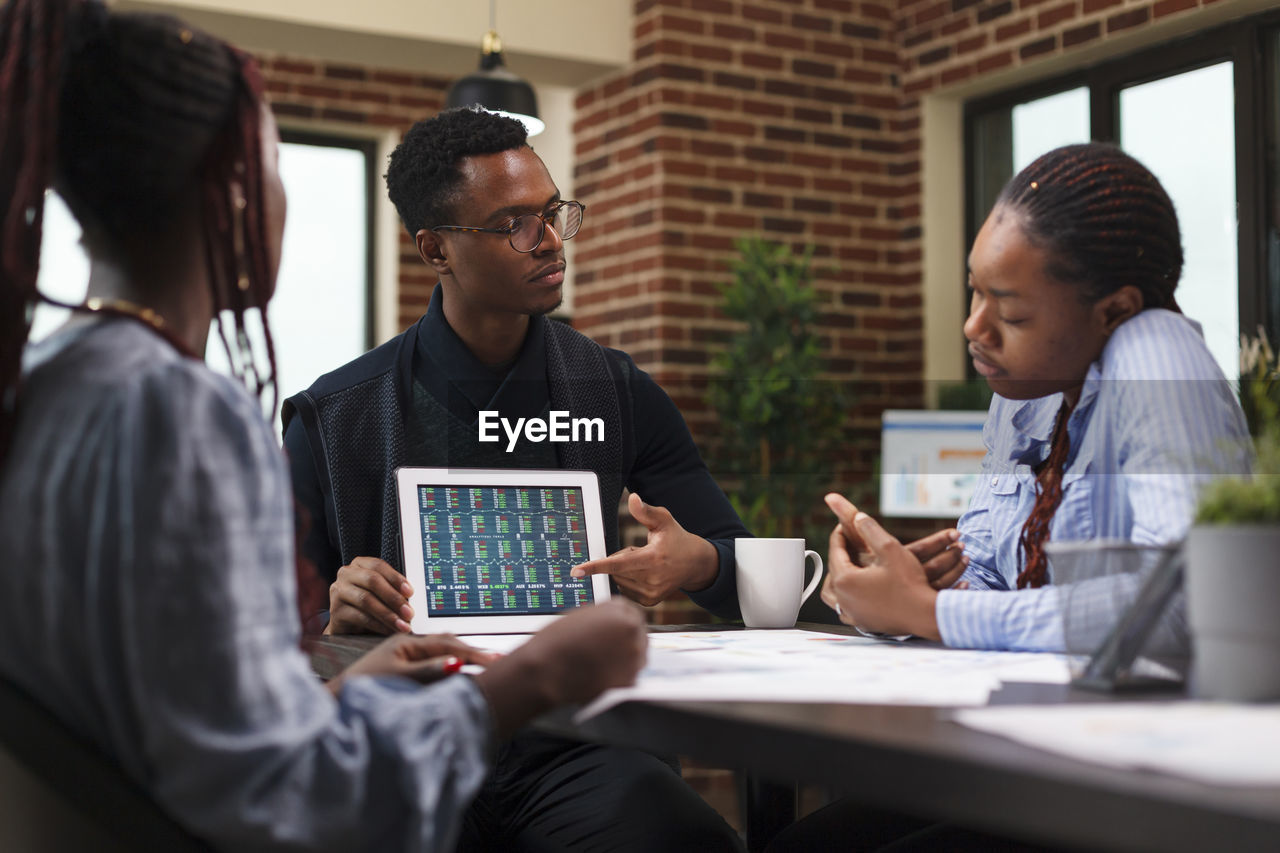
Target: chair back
{"points": [[59, 792]]}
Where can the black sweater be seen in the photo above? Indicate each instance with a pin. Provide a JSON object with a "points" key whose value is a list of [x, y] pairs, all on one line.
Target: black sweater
{"points": [[441, 389]]}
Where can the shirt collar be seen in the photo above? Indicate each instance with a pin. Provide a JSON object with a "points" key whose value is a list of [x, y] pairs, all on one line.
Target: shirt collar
{"points": [[1035, 419], [451, 373]]}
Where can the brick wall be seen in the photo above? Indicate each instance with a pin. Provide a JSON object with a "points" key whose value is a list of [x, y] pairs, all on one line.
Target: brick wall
{"points": [[794, 119], [772, 118], [949, 41]]}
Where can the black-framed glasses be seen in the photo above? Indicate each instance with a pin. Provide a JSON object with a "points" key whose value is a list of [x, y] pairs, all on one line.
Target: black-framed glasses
{"points": [[525, 232]]}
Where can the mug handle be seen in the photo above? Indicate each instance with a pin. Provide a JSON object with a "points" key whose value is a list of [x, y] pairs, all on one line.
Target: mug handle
{"points": [[817, 575]]}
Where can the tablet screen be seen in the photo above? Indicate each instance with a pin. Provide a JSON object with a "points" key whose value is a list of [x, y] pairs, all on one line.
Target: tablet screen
{"points": [[502, 550]]}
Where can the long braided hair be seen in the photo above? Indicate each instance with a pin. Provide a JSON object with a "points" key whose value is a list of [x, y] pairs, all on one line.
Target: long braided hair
{"points": [[125, 114], [1104, 222]]}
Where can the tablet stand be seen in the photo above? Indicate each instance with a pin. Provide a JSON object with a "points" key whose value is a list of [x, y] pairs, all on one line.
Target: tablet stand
{"points": [[1111, 664]]}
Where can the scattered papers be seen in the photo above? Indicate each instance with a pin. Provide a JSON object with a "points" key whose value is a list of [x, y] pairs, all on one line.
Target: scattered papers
{"points": [[1220, 744], [501, 643], [805, 666]]}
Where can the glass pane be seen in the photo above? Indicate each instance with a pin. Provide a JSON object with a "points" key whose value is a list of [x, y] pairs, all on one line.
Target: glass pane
{"points": [[64, 266], [1183, 129], [1048, 123], [320, 310], [1007, 139], [319, 314], [991, 164], [1271, 123]]}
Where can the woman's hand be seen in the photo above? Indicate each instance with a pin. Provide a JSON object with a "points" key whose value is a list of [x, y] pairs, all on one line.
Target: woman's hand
{"points": [[422, 658], [941, 553], [570, 661], [891, 593]]}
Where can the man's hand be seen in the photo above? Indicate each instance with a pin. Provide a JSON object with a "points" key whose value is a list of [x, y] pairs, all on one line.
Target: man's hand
{"points": [[891, 593], [369, 597], [422, 658], [941, 553], [570, 661], [672, 559]]}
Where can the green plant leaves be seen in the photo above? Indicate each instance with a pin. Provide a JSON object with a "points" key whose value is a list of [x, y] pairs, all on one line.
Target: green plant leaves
{"points": [[1255, 500], [780, 420]]}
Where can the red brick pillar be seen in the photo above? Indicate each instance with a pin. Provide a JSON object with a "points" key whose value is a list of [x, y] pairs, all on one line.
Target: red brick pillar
{"points": [[781, 119]]}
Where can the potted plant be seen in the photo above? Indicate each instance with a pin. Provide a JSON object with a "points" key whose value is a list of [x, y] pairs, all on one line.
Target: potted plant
{"points": [[780, 419], [1233, 555]]}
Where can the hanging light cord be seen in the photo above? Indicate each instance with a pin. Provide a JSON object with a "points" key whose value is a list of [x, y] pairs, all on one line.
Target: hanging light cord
{"points": [[492, 43]]}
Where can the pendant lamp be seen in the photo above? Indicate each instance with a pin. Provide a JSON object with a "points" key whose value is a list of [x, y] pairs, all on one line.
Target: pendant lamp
{"points": [[494, 88]]}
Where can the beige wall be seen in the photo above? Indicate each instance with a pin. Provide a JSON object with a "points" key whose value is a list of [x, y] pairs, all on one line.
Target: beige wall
{"points": [[560, 42]]}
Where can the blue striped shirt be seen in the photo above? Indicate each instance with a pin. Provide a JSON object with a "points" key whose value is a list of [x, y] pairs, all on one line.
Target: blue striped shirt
{"points": [[150, 600], [1155, 421]]}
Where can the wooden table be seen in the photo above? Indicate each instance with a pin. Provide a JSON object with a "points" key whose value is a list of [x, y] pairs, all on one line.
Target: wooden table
{"points": [[920, 760]]}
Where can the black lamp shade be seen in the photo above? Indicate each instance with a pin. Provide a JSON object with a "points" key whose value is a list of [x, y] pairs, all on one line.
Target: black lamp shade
{"points": [[497, 90]]}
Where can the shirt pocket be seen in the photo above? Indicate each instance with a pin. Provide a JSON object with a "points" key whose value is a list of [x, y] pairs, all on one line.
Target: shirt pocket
{"points": [[1075, 519], [1004, 483], [994, 510]]}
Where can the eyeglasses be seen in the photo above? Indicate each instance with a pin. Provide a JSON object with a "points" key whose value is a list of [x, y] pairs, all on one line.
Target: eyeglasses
{"points": [[525, 232]]}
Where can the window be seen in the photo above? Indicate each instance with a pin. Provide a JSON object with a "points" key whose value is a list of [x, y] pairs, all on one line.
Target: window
{"points": [[64, 266], [322, 313], [1201, 113], [1182, 128], [1007, 139], [1270, 202]]}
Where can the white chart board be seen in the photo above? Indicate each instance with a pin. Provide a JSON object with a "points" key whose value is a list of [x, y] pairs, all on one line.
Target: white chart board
{"points": [[930, 462]]}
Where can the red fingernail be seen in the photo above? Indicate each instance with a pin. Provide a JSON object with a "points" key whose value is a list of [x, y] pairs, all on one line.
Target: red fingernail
{"points": [[452, 665]]}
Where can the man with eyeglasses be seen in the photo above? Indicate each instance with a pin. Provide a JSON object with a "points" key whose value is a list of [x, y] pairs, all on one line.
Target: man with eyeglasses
{"points": [[490, 224]]}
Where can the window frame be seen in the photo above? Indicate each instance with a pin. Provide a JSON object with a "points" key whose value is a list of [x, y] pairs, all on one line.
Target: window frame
{"points": [[369, 148], [1245, 44]]}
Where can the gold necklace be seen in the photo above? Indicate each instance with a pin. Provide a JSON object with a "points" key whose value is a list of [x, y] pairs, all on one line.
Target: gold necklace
{"points": [[128, 309], [132, 310]]}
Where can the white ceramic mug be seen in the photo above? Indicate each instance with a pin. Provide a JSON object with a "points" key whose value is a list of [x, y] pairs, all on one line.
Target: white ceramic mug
{"points": [[771, 580]]}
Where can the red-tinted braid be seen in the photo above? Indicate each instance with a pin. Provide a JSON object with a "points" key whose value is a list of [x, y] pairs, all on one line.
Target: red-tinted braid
{"points": [[146, 108], [1104, 222], [235, 231], [146, 96], [1035, 532], [33, 41]]}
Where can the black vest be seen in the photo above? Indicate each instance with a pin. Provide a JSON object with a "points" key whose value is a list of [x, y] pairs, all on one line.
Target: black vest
{"points": [[357, 419]]}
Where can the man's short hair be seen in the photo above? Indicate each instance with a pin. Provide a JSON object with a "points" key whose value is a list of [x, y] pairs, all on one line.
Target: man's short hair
{"points": [[423, 177]]}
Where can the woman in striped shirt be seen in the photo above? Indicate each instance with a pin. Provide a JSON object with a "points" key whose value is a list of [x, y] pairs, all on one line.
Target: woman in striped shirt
{"points": [[1109, 416]]}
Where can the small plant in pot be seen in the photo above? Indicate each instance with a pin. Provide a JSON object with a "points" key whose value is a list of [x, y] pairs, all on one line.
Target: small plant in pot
{"points": [[1233, 555]]}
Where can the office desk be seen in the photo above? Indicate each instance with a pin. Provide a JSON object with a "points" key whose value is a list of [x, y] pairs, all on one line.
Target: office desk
{"points": [[917, 759]]}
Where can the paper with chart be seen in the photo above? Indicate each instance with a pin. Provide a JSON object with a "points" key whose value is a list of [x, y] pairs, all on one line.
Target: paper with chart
{"points": [[806, 666], [1217, 743]]}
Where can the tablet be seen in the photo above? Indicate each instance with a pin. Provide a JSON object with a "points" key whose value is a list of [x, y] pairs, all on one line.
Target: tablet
{"points": [[488, 551]]}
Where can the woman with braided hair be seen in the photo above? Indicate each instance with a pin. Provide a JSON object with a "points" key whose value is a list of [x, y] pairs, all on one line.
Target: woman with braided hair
{"points": [[151, 600], [1109, 413]]}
